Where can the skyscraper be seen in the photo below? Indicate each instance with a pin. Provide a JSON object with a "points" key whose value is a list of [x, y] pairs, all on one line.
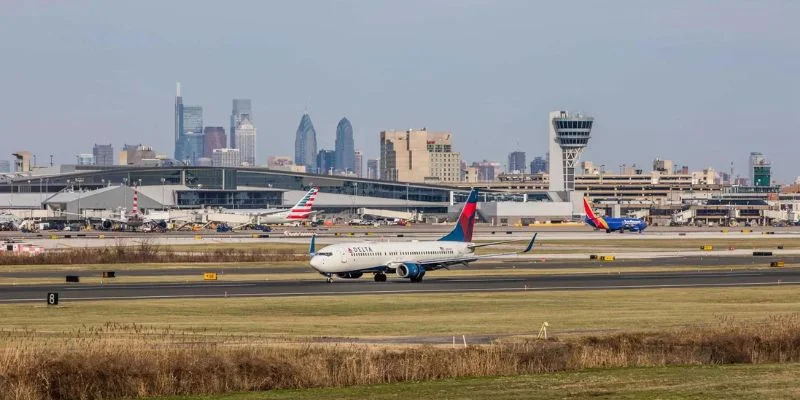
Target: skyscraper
{"points": [[190, 147], [213, 138], [103, 154], [178, 117], [359, 160], [326, 159], [345, 149], [246, 141], [516, 162], [305, 144], [242, 109], [538, 165], [417, 155], [192, 119]]}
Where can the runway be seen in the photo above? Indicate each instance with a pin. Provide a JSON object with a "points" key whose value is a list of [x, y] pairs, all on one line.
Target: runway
{"points": [[533, 264], [434, 283]]}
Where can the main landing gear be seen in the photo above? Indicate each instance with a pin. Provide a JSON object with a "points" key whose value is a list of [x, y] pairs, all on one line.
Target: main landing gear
{"points": [[380, 277]]}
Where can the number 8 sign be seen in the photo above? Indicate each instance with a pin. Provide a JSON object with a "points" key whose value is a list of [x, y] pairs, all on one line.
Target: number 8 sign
{"points": [[52, 299]]}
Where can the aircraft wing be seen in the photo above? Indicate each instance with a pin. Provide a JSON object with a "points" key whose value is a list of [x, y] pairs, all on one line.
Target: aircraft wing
{"points": [[435, 264]]}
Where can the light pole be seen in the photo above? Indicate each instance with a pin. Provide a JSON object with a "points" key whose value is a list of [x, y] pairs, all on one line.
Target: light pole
{"points": [[162, 192], [68, 219], [78, 181]]}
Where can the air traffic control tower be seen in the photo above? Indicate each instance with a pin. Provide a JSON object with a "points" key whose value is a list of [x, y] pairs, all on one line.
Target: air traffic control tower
{"points": [[569, 135]]}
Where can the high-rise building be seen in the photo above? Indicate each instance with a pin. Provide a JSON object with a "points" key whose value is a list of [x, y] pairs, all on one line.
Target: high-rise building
{"points": [[760, 170], [191, 123], [305, 144], [326, 162], [5, 166], [516, 162], [213, 138], [103, 154], [246, 141], [418, 156], [226, 157], [178, 117], [568, 136], [486, 171], [345, 148], [538, 165], [359, 167], [372, 169], [242, 109], [193, 119], [191, 148], [133, 154], [85, 159]]}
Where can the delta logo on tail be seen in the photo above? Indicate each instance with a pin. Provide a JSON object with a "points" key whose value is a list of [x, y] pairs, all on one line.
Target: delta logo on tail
{"points": [[302, 209], [612, 224], [466, 221]]}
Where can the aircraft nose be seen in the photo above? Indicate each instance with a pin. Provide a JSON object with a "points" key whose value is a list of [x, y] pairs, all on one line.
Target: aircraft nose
{"points": [[316, 262]]}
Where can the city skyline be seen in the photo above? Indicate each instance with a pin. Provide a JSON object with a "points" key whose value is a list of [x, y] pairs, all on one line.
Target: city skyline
{"points": [[663, 80]]}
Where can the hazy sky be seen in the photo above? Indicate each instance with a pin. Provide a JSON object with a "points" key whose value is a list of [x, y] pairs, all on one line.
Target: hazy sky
{"points": [[701, 83]]}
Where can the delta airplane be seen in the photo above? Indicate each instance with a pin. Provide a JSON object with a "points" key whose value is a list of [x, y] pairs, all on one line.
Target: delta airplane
{"points": [[300, 212], [409, 260], [612, 224]]}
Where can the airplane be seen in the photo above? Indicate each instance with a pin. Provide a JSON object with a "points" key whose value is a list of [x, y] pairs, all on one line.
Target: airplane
{"points": [[135, 219], [612, 224], [9, 222], [299, 212], [405, 259]]}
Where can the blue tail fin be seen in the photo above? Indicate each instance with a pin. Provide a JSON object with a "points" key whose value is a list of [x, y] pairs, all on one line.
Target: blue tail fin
{"points": [[462, 232]]}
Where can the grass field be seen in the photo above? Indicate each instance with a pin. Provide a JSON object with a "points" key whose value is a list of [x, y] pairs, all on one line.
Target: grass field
{"points": [[761, 382], [517, 313]]}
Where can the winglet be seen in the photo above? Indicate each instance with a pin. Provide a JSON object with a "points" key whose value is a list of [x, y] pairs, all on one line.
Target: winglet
{"points": [[312, 248], [530, 244]]}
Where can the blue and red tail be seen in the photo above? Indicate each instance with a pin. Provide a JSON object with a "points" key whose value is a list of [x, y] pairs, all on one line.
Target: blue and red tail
{"points": [[466, 221]]}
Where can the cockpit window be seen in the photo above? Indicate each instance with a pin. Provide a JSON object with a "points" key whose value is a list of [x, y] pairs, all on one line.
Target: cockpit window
{"points": [[325, 254]]}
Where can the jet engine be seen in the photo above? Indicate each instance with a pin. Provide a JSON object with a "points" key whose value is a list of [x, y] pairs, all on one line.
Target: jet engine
{"points": [[410, 270], [106, 225]]}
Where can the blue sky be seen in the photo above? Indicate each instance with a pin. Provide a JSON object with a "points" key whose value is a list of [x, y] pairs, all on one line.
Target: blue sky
{"points": [[699, 82]]}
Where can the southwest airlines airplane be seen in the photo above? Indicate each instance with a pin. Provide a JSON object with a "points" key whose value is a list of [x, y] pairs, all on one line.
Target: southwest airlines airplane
{"points": [[409, 260], [612, 224]]}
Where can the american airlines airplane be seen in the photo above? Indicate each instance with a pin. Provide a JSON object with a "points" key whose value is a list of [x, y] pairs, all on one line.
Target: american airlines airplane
{"points": [[409, 260], [300, 212]]}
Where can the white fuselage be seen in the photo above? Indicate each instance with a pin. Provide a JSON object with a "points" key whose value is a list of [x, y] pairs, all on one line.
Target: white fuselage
{"points": [[350, 257], [281, 217]]}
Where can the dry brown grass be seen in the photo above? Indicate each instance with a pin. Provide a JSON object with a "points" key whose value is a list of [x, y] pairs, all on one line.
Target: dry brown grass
{"points": [[89, 365], [146, 252]]}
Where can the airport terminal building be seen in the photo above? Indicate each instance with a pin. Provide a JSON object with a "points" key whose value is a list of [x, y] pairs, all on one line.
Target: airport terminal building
{"points": [[91, 190]]}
